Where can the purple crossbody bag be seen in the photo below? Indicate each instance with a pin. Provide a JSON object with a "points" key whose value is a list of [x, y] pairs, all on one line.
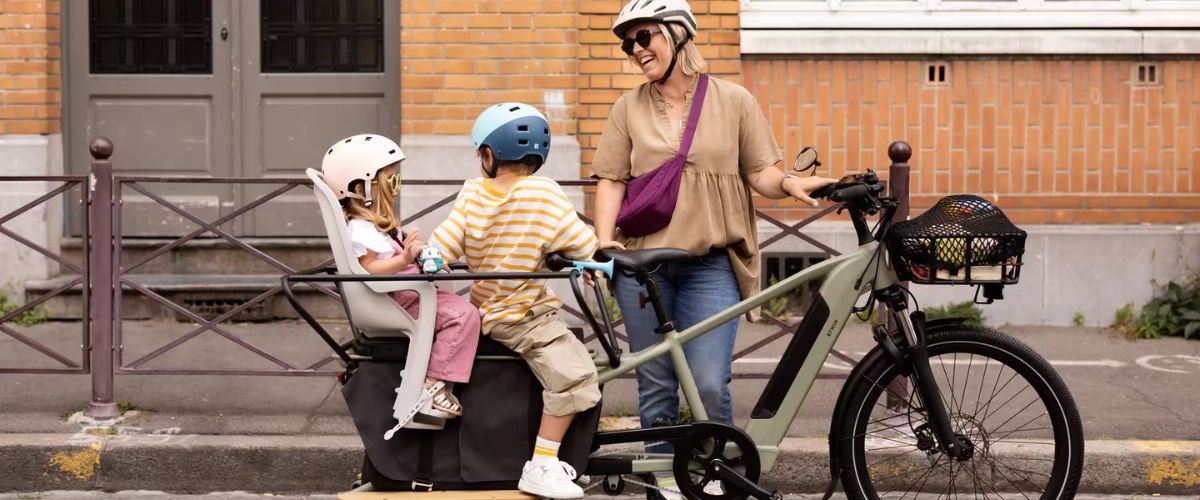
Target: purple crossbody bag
{"points": [[650, 199]]}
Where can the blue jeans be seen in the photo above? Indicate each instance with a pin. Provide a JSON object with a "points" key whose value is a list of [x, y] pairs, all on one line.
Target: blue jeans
{"points": [[692, 291]]}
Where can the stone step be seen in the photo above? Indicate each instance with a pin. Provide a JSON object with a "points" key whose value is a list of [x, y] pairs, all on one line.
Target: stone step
{"points": [[207, 295], [213, 255]]}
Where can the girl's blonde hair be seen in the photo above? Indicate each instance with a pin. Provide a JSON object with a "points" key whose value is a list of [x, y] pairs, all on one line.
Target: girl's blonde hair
{"points": [[382, 212], [689, 60]]}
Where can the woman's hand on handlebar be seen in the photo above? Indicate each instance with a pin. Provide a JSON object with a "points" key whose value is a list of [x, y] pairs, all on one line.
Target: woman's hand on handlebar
{"points": [[801, 188]]}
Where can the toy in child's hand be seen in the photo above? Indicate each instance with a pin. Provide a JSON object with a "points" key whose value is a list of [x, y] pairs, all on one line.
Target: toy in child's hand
{"points": [[431, 260]]}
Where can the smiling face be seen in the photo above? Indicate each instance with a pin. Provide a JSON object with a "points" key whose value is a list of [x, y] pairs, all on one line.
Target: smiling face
{"points": [[652, 60]]}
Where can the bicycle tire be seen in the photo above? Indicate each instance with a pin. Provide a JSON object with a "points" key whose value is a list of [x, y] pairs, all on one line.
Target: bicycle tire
{"points": [[948, 345]]}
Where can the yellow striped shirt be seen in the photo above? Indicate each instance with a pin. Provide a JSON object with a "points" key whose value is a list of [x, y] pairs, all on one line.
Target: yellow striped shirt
{"points": [[512, 232]]}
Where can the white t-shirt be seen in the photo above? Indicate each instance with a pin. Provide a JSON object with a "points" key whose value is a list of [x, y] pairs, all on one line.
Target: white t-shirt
{"points": [[365, 236]]}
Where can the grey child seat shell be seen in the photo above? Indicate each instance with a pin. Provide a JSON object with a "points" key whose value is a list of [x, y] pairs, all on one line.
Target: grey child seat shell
{"points": [[371, 309]]}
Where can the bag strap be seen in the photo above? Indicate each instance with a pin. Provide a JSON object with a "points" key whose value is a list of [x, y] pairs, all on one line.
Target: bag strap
{"points": [[423, 480], [694, 116]]}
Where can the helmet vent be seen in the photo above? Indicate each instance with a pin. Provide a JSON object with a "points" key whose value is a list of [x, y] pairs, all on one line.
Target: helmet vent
{"points": [[522, 128], [515, 108], [660, 8], [392, 152], [647, 2], [368, 138], [347, 141], [330, 151], [523, 142], [546, 131]]}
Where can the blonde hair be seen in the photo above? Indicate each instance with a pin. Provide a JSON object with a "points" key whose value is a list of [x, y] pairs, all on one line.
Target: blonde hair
{"points": [[382, 212], [689, 60]]}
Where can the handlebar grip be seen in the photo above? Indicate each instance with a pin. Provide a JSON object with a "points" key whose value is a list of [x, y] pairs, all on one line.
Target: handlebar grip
{"points": [[850, 193], [557, 262], [823, 192]]}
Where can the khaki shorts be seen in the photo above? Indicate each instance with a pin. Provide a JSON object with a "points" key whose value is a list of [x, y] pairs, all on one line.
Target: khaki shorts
{"points": [[558, 360]]}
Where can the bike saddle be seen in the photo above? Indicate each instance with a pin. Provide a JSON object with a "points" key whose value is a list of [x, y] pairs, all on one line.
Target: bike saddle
{"points": [[642, 260]]}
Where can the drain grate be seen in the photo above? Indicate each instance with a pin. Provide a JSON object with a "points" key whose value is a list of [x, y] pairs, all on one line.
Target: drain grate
{"points": [[212, 306]]}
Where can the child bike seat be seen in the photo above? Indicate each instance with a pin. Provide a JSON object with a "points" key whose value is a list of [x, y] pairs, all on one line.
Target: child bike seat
{"points": [[372, 313]]}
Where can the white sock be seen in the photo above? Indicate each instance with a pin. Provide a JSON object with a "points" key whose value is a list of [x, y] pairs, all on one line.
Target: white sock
{"points": [[545, 450]]}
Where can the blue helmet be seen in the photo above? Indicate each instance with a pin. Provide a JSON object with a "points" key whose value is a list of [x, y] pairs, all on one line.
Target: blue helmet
{"points": [[512, 131]]}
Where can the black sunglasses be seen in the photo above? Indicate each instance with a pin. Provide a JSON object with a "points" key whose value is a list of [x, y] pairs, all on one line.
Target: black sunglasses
{"points": [[642, 38]]}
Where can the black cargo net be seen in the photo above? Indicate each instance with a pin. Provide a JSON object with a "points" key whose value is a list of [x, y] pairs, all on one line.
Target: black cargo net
{"points": [[962, 239]]}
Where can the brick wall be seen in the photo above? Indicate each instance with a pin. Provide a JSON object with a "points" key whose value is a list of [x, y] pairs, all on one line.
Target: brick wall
{"points": [[1052, 140], [458, 56], [30, 94]]}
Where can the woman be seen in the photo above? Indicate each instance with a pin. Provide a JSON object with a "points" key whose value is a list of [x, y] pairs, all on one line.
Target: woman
{"points": [[732, 153]]}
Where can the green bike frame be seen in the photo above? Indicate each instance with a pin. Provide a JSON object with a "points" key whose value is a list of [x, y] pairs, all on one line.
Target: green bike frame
{"points": [[844, 280]]}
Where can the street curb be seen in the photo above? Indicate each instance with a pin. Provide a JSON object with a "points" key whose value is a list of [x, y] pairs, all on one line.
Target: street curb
{"points": [[308, 464]]}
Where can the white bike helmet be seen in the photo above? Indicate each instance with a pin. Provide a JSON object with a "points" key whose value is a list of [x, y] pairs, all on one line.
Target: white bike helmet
{"points": [[358, 158], [663, 11], [660, 11]]}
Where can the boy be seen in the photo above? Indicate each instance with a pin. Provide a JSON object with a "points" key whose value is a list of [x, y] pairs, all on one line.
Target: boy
{"points": [[509, 221]]}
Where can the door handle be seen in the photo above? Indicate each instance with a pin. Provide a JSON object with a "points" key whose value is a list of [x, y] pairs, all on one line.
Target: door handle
{"points": [[224, 33]]}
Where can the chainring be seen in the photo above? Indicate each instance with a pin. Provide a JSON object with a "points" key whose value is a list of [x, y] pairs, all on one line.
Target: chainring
{"points": [[710, 443]]}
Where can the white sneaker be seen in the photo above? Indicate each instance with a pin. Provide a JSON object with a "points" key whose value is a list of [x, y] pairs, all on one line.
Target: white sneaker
{"points": [[550, 479]]}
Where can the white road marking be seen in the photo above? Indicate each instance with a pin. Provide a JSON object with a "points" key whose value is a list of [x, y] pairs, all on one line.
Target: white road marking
{"points": [[1173, 363]]}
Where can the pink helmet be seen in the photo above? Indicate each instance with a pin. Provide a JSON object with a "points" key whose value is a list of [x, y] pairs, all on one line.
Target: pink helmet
{"points": [[358, 158]]}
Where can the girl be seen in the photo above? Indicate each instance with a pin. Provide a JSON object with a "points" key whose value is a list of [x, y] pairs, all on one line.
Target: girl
{"points": [[361, 171]]}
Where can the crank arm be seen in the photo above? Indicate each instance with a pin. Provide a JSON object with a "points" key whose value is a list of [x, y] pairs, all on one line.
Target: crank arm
{"points": [[735, 479]]}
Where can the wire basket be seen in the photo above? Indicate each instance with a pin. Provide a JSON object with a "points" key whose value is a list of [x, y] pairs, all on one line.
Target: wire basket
{"points": [[963, 239]]}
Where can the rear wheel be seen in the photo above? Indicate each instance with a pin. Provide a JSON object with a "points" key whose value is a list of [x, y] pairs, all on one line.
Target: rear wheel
{"points": [[1004, 400]]}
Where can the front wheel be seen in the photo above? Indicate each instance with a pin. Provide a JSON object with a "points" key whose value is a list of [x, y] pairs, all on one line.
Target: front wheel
{"points": [[1017, 417]]}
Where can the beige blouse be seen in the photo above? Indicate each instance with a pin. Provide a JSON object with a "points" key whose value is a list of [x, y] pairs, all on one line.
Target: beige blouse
{"points": [[733, 140]]}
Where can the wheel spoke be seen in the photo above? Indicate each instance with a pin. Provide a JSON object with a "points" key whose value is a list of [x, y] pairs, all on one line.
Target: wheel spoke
{"points": [[987, 411], [888, 437], [889, 459], [1019, 429], [1026, 407], [885, 389], [927, 476], [997, 467], [979, 396]]}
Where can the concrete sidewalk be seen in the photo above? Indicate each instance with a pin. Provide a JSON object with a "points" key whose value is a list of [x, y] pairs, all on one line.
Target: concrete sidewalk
{"points": [[1124, 390], [304, 464], [198, 433]]}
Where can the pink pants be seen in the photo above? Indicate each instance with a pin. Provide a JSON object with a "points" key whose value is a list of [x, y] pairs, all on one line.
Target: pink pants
{"points": [[456, 330]]}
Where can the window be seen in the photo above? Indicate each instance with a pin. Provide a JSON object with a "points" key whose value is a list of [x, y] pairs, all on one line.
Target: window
{"points": [[935, 74], [1147, 74], [322, 36], [150, 36]]}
